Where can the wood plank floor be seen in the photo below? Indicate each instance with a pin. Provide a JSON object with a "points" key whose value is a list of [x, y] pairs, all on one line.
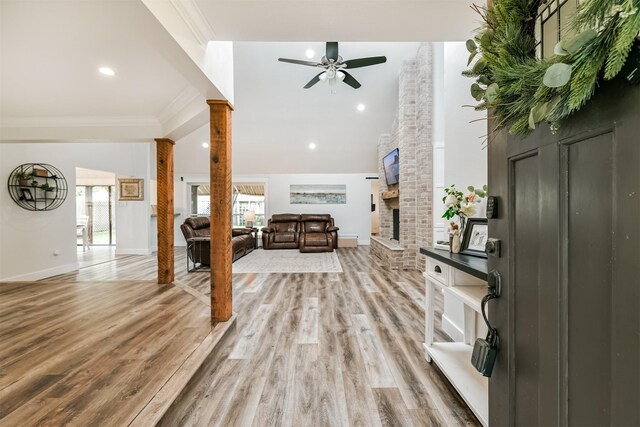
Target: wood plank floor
{"points": [[84, 349], [308, 349], [319, 349]]}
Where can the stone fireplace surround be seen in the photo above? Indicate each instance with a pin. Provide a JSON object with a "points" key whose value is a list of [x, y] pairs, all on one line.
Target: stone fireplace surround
{"points": [[412, 134]]}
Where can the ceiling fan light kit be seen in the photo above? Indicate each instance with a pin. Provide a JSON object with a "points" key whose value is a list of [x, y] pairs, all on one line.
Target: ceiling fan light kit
{"points": [[334, 67]]}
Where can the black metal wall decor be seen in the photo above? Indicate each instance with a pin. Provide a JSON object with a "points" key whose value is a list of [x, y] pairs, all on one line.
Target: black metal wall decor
{"points": [[37, 187]]}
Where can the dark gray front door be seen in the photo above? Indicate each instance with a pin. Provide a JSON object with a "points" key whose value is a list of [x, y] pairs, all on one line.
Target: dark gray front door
{"points": [[569, 314]]}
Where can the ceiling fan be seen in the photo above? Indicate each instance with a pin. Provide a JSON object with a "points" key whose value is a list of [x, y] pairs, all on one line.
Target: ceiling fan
{"points": [[334, 67]]}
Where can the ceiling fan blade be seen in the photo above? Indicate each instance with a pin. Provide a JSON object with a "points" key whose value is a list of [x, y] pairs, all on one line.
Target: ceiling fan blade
{"points": [[365, 62], [348, 79], [297, 61], [332, 50], [313, 81]]}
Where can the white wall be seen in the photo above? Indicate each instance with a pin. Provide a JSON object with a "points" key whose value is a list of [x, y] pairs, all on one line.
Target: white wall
{"points": [[354, 217], [465, 160], [28, 240]]}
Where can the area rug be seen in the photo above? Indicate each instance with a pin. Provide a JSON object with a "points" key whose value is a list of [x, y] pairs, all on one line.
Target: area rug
{"points": [[287, 261]]}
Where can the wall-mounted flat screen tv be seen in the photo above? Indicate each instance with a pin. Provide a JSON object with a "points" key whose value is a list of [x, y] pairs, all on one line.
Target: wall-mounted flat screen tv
{"points": [[391, 164]]}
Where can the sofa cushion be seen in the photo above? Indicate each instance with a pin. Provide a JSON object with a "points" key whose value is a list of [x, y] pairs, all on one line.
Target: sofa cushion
{"points": [[285, 218], [284, 237], [240, 231], [198, 222], [315, 226], [315, 217], [285, 227], [202, 232], [316, 239]]}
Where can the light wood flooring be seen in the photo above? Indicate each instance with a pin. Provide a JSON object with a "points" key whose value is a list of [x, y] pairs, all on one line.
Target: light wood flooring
{"points": [[84, 349], [307, 350], [337, 349]]}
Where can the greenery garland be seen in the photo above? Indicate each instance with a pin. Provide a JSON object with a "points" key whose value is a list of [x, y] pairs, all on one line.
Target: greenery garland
{"points": [[522, 90]]}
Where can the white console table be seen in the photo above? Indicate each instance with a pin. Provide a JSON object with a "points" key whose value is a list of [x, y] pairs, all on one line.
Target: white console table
{"points": [[464, 278]]}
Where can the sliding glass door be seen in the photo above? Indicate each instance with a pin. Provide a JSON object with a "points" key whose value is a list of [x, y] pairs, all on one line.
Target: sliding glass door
{"points": [[95, 209]]}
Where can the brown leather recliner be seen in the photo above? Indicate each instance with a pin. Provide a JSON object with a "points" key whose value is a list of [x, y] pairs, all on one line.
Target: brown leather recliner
{"points": [[242, 240], [282, 232], [318, 233]]}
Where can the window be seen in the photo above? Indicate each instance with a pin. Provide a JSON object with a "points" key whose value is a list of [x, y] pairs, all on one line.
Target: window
{"points": [[200, 200], [246, 197], [552, 24]]}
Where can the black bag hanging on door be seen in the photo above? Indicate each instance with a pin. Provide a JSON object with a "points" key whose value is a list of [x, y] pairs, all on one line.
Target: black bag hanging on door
{"points": [[485, 350]]}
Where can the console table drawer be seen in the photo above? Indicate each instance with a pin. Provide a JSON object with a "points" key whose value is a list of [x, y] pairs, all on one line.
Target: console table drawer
{"points": [[438, 271]]}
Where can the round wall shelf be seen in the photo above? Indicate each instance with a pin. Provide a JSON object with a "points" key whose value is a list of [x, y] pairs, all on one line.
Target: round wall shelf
{"points": [[37, 187]]}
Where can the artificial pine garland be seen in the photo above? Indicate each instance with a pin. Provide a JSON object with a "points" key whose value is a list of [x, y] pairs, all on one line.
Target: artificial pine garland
{"points": [[522, 90]]}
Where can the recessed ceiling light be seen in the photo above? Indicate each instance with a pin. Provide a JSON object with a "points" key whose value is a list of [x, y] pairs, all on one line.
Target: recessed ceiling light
{"points": [[205, 145], [310, 53], [107, 71], [360, 107], [312, 146]]}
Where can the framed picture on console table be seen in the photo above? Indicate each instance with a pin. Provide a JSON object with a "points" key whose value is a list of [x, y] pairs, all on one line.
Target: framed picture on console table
{"points": [[475, 237]]}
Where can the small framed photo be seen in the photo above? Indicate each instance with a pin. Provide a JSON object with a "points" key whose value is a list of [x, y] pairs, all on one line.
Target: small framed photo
{"points": [[476, 234], [130, 189], [26, 194]]}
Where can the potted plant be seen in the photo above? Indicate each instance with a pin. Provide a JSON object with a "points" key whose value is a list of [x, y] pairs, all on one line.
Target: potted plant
{"points": [[23, 178], [46, 187]]}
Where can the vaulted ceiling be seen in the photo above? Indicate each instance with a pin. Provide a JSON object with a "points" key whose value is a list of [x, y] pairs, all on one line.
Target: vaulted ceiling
{"points": [[345, 20], [51, 51]]}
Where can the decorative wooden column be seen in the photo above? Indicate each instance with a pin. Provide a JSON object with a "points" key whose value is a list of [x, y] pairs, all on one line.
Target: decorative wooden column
{"points": [[221, 205], [164, 157]]}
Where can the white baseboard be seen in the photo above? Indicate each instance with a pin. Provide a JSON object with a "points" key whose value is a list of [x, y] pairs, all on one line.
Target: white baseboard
{"points": [[452, 330], [364, 242], [133, 251], [42, 274]]}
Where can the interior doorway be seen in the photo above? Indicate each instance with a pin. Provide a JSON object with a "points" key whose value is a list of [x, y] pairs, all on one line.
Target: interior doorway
{"points": [[375, 208], [95, 209]]}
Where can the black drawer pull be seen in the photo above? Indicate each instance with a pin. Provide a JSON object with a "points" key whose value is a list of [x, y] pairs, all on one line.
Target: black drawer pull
{"points": [[438, 269]]}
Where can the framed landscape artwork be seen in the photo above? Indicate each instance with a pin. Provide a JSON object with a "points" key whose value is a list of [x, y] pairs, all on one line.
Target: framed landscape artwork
{"points": [[130, 189], [318, 194]]}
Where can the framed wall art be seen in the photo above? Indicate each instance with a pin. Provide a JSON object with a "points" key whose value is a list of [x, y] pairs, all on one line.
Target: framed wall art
{"points": [[130, 189], [318, 194]]}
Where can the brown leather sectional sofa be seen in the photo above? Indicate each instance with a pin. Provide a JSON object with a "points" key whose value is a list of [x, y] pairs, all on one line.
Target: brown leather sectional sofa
{"points": [[307, 232], [242, 240]]}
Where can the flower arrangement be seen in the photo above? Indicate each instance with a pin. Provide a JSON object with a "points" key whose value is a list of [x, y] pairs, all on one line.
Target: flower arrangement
{"points": [[462, 205]]}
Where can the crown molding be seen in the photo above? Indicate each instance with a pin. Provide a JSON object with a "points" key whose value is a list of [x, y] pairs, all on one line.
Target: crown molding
{"points": [[194, 19], [78, 122], [80, 129], [186, 97]]}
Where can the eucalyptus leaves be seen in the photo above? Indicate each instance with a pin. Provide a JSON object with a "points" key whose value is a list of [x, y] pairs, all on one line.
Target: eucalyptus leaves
{"points": [[524, 91]]}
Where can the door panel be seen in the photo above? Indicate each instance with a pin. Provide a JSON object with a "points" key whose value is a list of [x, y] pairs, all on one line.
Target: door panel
{"points": [[526, 292], [569, 313], [590, 226]]}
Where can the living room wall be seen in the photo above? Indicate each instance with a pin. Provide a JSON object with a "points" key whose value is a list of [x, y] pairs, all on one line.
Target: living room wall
{"points": [[354, 217], [28, 240]]}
